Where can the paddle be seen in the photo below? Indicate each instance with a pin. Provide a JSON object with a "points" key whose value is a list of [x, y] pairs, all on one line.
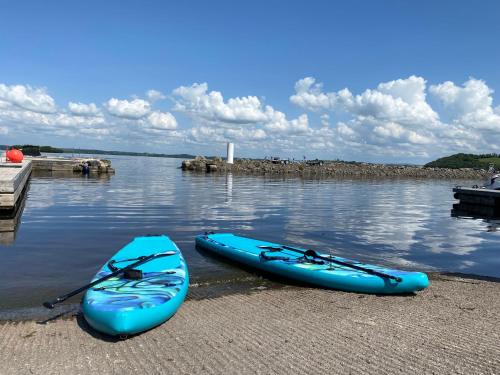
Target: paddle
{"points": [[314, 254], [142, 260]]}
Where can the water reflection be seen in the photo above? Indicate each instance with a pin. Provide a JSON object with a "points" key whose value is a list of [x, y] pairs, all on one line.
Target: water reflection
{"points": [[229, 188], [56, 188], [72, 224], [488, 215], [493, 225], [11, 219], [70, 175]]}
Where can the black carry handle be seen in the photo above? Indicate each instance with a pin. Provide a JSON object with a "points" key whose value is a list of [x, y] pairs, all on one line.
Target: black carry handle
{"points": [[64, 297], [314, 254]]}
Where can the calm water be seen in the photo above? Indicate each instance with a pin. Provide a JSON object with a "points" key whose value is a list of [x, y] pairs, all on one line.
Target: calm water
{"points": [[71, 225]]}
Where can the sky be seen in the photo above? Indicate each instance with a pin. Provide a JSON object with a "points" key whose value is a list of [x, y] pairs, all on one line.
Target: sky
{"points": [[377, 81]]}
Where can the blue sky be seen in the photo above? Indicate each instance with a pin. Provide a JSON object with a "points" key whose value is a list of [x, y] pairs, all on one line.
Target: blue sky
{"points": [[437, 63]]}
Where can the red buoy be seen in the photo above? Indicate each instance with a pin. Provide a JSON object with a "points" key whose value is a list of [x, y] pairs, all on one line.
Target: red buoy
{"points": [[14, 156]]}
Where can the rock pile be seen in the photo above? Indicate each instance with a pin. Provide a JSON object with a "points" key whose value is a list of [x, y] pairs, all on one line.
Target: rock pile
{"points": [[202, 164], [328, 169], [97, 166]]}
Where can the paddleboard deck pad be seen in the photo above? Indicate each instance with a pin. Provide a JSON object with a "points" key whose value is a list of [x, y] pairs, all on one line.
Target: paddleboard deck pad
{"points": [[153, 292], [273, 258]]}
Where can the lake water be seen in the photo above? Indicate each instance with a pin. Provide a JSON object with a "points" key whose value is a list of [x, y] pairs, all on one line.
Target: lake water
{"points": [[71, 225]]}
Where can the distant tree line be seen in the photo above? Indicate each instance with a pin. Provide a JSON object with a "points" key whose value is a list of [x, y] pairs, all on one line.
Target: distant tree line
{"points": [[125, 153], [32, 150], [466, 161]]}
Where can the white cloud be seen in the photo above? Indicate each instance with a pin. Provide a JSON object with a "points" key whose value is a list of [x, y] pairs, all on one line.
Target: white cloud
{"points": [[402, 100], [196, 100], [155, 95], [469, 105], [162, 120], [392, 121], [244, 118], [396, 117], [81, 109], [345, 130], [245, 135], [63, 124], [410, 90], [398, 132], [124, 120], [474, 95], [64, 119], [309, 95], [277, 122], [129, 109], [27, 97], [325, 119]]}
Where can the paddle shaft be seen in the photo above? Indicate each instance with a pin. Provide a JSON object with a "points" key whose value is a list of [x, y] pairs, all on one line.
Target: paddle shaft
{"points": [[64, 297], [346, 264]]}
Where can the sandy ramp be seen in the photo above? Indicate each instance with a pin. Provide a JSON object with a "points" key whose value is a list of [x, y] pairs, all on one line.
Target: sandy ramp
{"points": [[453, 327]]}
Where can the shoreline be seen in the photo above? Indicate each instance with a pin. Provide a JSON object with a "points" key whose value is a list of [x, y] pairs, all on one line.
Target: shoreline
{"points": [[207, 290], [328, 169], [451, 327]]}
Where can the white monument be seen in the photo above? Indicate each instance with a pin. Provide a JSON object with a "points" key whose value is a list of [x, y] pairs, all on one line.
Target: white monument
{"points": [[230, 152]]}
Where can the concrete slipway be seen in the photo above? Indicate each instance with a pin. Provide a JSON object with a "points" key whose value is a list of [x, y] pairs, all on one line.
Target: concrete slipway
{"points": [[451, 328]]}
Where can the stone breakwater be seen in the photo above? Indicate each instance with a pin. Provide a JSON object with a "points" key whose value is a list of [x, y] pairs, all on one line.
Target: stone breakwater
{"points": [[327, 169], [75, 165], [95, 166]]}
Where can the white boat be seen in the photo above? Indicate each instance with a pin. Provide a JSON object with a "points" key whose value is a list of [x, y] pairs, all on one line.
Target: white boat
{"points": [[493, 184]]}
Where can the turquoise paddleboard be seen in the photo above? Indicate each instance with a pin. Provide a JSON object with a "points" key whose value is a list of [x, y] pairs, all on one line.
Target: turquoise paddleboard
{"points": [[124, 306], [291, 263]]}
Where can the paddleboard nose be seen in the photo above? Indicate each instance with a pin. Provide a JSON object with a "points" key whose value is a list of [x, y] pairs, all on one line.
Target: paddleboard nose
{"points": [[422, 281], [120, 326]]}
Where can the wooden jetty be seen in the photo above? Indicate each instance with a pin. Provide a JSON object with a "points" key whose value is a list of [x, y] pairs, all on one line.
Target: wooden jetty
{"points": [[14, 176], [10, 221], [478, 201], [13, 180]]}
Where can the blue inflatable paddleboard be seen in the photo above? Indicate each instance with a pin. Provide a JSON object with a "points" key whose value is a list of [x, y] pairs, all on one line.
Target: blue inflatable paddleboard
{"points": [[124, 306], [314, 268]]}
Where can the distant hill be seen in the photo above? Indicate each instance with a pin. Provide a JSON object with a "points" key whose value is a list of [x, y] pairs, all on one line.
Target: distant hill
{"points": [[466, 161]]}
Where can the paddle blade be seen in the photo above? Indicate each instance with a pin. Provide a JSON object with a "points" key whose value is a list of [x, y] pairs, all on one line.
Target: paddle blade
{"points": [[49, 305]]}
